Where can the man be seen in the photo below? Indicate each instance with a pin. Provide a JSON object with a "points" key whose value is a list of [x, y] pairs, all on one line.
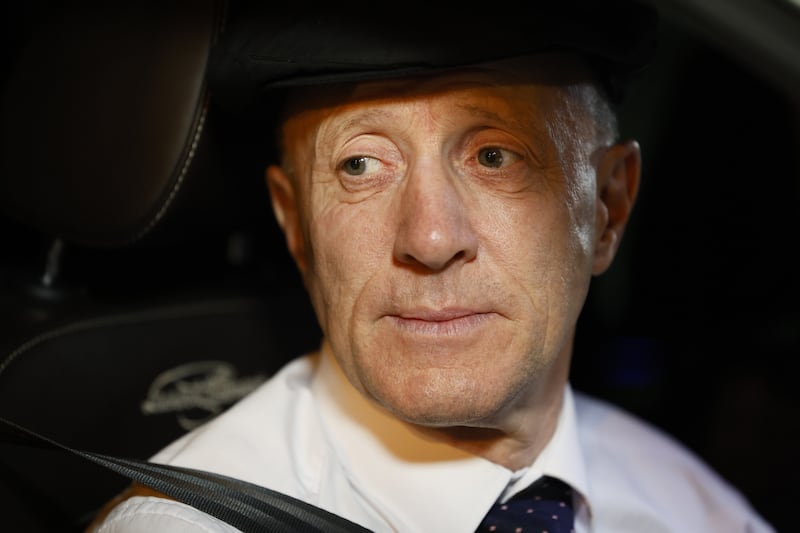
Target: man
{"points": [[447, 222]]}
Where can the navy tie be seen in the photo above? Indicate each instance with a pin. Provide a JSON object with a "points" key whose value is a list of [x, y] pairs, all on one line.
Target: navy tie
{"points": [[544, 507]]}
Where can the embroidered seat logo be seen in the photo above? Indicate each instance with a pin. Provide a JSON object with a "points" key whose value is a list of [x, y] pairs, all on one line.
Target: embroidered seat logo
{"points": [[197, 391]]}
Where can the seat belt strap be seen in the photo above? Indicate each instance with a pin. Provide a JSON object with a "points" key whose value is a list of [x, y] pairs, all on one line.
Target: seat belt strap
{"points": [[246, 506]]}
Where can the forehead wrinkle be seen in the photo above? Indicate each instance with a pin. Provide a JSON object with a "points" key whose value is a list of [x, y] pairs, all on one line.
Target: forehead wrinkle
{"points": [[364, 118], [369, 117], [490, 116]]}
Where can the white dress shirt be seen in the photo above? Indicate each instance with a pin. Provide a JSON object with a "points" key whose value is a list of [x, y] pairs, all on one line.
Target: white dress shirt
{"points": [[308, 433]]}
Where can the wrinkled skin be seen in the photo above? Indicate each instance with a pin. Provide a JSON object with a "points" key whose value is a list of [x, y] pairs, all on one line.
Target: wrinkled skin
{"points": [[447, 230]]}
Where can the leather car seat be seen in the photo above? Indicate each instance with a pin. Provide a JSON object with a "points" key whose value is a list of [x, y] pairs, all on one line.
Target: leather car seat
{"points": [[144, 286]]}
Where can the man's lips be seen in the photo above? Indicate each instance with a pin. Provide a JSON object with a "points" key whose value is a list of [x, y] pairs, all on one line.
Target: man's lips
{"points": [[437, 315], [441, 322]]}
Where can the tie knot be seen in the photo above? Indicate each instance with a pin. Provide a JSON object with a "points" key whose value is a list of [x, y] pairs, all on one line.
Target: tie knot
{"points": [[544, 507]]}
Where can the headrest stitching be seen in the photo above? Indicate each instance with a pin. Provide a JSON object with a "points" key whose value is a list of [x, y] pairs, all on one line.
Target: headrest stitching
{"points": [[181, 175]]}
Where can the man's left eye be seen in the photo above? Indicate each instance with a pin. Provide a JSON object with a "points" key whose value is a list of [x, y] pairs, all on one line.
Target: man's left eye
{"points": [[494, 157]]}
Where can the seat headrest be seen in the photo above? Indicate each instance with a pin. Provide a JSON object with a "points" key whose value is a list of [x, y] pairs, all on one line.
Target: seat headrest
{"points": [[102, 113]]}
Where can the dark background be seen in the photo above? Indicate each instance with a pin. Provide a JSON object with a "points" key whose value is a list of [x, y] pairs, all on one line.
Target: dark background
{"points": [[695, 327]]}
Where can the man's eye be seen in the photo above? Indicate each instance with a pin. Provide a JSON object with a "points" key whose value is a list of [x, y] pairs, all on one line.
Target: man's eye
{"points": [[356, 166], [494, 157]]}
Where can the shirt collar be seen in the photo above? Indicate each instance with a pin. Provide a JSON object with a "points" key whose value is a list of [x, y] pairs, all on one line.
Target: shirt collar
{"points": [[418, 483], [561, 458]]}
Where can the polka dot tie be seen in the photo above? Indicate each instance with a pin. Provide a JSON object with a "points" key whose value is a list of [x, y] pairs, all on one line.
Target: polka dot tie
{"points": [[544, 507]]}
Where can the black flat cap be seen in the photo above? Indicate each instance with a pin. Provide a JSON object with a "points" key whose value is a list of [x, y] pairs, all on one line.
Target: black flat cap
{"points": [[266, 46]]}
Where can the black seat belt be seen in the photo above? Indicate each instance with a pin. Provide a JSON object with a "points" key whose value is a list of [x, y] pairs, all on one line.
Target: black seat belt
{"points": [[246, 506]]}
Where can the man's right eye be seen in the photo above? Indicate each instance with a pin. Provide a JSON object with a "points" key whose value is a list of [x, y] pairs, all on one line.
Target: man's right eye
{"points": [[356, 166]]}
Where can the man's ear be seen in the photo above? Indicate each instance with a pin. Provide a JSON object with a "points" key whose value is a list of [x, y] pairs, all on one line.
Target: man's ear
{"points": [[617, 185], [284, 205]]}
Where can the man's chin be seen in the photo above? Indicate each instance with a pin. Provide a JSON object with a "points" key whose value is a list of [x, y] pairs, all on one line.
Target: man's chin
{"points": [[443, 409]]}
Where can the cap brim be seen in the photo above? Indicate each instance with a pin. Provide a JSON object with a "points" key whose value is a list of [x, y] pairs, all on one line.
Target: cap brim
{"points": [[264, 48]]}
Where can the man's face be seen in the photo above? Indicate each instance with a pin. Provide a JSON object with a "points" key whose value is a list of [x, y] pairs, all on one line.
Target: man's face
{"points": [[446, 230]]}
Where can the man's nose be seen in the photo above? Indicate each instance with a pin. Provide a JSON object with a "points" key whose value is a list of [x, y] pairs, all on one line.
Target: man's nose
{"points": [[434, 229]]}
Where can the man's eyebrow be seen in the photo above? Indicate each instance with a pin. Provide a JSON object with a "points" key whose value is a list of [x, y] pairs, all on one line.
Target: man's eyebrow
{"points": [[354, 121], [524, 122]]}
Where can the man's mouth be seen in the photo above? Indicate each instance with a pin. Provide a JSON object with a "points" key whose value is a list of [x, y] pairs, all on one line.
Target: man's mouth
{"points": [[451, 322]]}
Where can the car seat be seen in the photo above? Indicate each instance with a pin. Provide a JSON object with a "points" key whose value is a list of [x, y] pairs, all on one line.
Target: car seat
{"points": [[144, 285]]}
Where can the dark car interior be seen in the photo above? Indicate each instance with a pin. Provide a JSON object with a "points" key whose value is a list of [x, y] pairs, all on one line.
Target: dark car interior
{"points": [[145, 287]]}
